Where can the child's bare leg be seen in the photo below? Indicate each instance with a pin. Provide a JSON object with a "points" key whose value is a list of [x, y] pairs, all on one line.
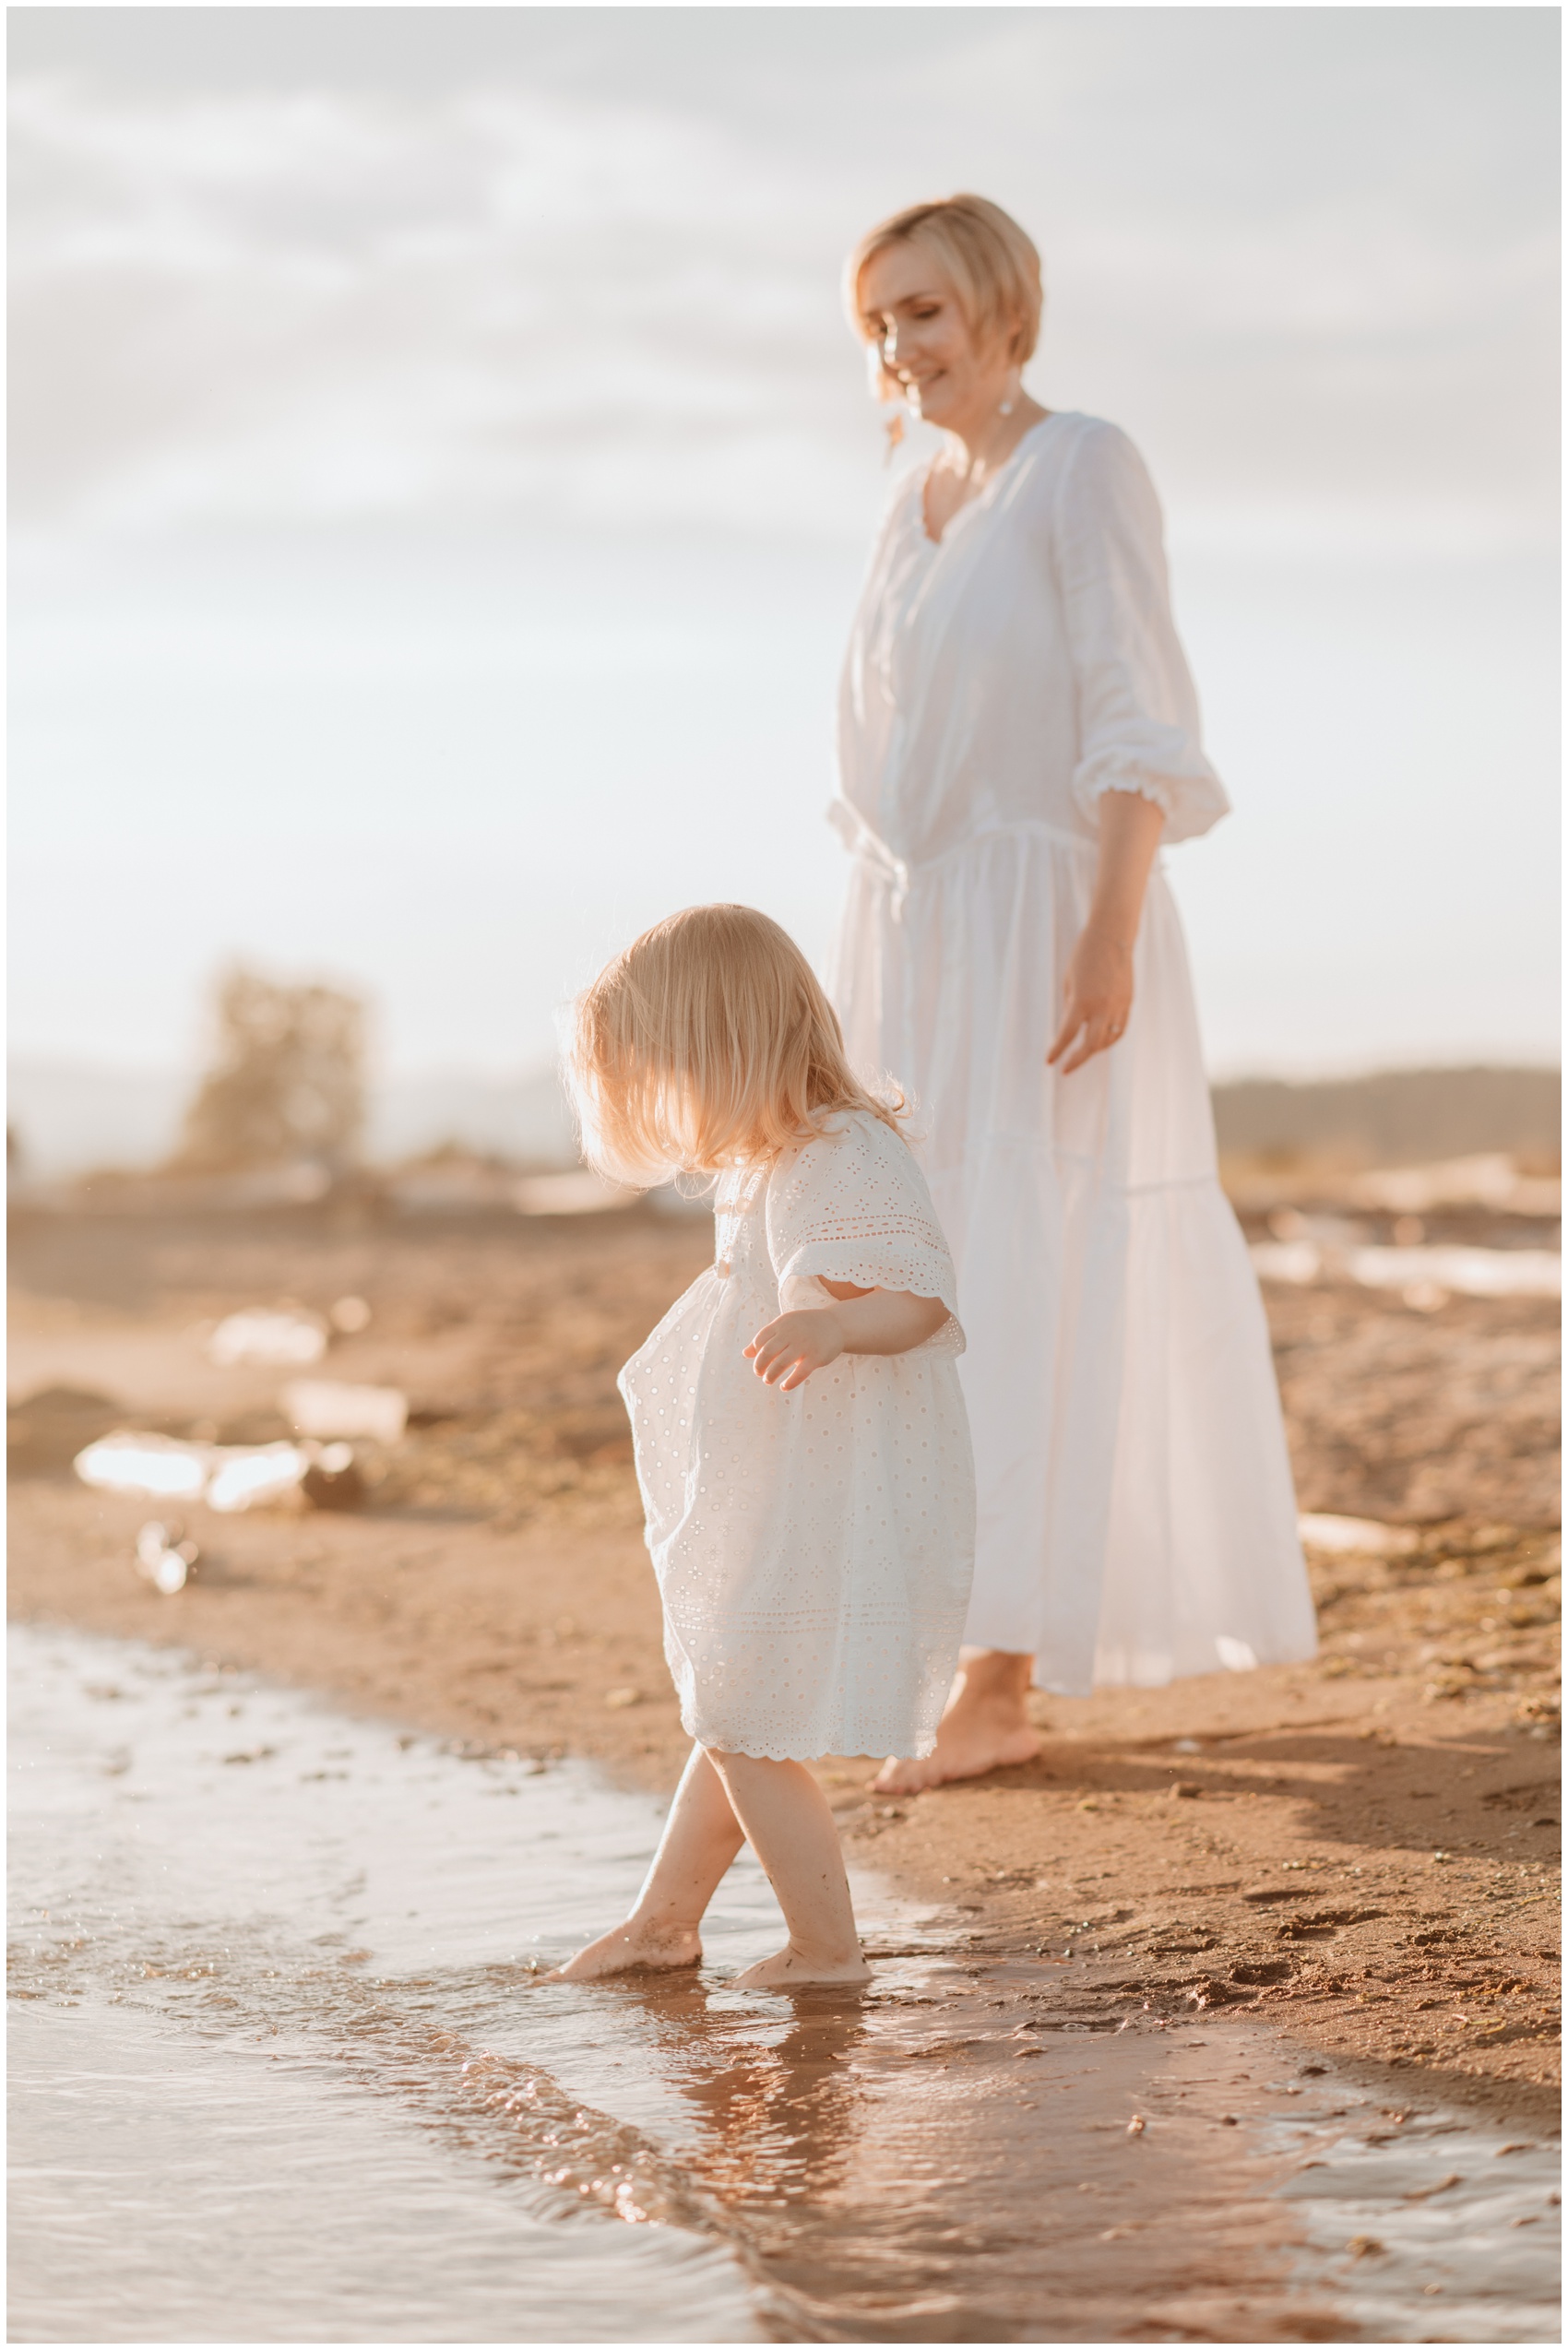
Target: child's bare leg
{"points": [[791, 1830], [701, 1838]]}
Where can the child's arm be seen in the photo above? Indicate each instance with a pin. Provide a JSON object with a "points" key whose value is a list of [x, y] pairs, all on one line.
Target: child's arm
{"points": [[860, 1321]]}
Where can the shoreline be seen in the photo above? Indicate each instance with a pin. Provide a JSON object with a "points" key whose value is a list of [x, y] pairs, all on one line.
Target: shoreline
{"points": [[1237, 1869], [1363, 1848]]}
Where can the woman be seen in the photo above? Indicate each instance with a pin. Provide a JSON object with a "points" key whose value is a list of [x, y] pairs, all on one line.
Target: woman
{"points": [[1019, 732]]}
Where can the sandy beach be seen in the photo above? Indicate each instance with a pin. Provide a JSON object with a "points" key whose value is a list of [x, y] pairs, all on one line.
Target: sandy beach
{"points": [[1363, 1848]]}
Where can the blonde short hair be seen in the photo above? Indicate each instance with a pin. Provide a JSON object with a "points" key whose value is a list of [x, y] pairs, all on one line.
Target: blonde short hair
{"points": [[993, 266], [707, 1044]]}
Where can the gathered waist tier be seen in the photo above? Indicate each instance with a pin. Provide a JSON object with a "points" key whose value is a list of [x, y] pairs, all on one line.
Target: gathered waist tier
{"points": [[904, 874]]}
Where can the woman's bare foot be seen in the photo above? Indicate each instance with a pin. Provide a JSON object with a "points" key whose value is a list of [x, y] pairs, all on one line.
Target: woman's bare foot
{"points": [[629, 1950], [790, 1970], [986, 1727]]}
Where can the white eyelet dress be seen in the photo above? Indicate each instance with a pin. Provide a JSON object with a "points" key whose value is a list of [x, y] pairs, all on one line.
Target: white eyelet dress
{"points": [[1136, 1520], [814, 1550]]}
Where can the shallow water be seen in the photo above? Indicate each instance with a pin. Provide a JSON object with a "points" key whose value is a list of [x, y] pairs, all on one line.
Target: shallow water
{"points": [[280, 2071]]}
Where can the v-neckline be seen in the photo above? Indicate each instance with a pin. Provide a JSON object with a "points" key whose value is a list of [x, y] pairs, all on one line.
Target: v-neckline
{"points": [[984, 493]]}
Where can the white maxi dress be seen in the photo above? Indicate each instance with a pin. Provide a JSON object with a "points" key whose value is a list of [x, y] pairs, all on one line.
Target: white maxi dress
{"points": [[1136, 1519], [814, 1549]]}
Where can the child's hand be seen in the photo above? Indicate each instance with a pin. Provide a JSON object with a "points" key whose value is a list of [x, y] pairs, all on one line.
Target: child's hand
{"points": [[785, 1352]]}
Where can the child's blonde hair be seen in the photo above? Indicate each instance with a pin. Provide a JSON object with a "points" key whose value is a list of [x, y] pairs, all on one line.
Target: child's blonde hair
{"points": [[707, 1044]]}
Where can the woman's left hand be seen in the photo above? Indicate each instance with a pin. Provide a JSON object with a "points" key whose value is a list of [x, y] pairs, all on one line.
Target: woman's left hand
{"points": [[1099, 998]]}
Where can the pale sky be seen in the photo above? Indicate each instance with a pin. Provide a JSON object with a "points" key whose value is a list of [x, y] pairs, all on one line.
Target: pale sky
{"points": [[443, 472]]}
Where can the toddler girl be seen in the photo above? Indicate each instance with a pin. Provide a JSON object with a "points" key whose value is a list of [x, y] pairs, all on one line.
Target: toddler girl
{"points": [[800, 1439]]}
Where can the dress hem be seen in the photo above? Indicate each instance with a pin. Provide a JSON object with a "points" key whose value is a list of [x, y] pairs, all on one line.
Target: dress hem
{"points": [[761, 1753]]}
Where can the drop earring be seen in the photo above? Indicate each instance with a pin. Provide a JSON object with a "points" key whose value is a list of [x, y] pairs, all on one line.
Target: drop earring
{"points": [[1011, 402]]}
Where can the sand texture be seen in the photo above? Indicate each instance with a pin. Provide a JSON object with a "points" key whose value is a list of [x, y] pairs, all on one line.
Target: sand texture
{"points": [[1365, 1847]]}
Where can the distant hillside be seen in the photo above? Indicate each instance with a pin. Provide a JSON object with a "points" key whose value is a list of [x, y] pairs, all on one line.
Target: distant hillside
{"points": [[70, 1118], [524, 1118], [65, 1118], [1402, 1116]]}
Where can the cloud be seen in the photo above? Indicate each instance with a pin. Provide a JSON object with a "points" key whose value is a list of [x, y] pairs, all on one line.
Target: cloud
{"points": [[250, 306], [1311, 264]]}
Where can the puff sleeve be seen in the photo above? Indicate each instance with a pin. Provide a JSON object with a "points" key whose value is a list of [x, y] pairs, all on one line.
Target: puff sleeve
{"points": [[1138, 727], [852, 1205]]}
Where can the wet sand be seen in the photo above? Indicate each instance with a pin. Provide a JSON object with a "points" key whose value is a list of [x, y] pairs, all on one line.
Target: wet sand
{"points": [[287, 2060], [1363, 1851]]}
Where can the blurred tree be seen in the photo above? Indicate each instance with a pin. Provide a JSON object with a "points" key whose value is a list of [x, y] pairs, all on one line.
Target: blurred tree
{"points": [[286, 1080]]}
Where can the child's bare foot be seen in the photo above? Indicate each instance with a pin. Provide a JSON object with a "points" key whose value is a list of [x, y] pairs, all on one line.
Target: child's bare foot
{"points": [[790, 1970], [629, 1950]]}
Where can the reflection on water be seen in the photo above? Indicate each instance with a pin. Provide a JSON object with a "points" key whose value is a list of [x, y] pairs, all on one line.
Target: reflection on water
{"points": [[170, 2188], [257, 1941], [285, 2069]]}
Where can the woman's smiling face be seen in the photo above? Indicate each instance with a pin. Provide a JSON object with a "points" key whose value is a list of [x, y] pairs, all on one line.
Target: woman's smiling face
{"points": [[912, 315]]}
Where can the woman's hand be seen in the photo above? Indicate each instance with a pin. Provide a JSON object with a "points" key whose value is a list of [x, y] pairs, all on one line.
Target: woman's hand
{"points": [[785, 1352], [1099, 997], [1099, 969]]}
